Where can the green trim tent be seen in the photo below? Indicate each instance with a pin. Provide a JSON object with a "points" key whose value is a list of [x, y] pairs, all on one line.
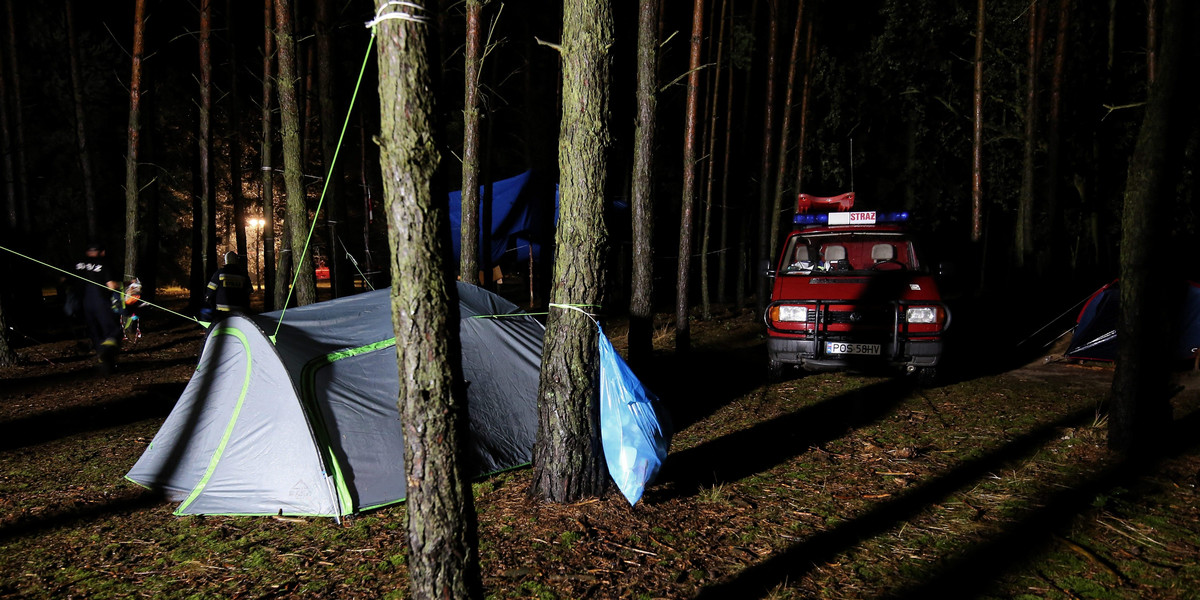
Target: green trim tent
{"points": [[309, 426]]}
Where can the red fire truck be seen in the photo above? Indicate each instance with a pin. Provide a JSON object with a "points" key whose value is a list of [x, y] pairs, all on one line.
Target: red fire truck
{"points": [[850, 293]]}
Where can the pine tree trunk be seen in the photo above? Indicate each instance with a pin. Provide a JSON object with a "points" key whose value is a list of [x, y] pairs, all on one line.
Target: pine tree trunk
{"points": [[289, 113], [208, 201], [468, 260], [764, 201], [641, 298], [235, 139], [1024, 235], [8, 356], [1151, 291], [706, 230], [133, 233], [805, 90], [568, 462], [977, 138], [18, 125], [785, 127], [1055, 247], [10, 187], [85, 161], [723, 236], [683, 328], [443, 558], [334, 205], [267, 199]]}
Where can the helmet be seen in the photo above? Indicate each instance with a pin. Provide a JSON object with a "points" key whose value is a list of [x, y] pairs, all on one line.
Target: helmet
{"points": [[231, 258]]}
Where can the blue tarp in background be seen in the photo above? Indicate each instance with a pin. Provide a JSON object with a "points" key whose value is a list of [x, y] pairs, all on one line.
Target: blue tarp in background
{"points": [[517, 222]]}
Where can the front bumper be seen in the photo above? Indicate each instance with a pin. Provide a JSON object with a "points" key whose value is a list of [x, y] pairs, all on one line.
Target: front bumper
{"points": [[809, 354]]}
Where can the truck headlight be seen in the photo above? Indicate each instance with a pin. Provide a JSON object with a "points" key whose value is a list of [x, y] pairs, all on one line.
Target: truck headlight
{"points": [[921, 314], [793, 313]]}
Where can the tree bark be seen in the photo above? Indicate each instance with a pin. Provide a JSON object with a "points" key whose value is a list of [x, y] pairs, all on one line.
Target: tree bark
{"points": [[977, 138], [267, 199], [18, 124], [568, 462], [133, 233], [1151, 42], [641, 298], [85, 161], [208, 201], [1054, 248], [683, 329], [443, 553], [706, 230], [723, 236], [468, 238], [764, 200], [805, 91], [1024, 234], [289, 114], [785, 127], [236, 197], [1151, 291], [334, 205], [11, 211], [8, 356]]}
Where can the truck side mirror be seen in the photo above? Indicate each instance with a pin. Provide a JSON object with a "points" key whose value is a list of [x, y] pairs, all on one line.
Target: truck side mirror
{"points": [[765, 267]]}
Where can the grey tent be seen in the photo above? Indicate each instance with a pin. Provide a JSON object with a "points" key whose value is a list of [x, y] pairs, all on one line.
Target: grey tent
{"points": [[309, 425]]}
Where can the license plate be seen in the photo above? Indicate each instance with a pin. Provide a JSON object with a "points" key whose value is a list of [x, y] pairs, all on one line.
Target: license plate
{"points": [[845, 348]]}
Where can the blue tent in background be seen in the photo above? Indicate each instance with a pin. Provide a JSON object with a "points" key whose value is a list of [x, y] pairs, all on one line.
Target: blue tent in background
{"points": [[517, 216], [1095, 336]]}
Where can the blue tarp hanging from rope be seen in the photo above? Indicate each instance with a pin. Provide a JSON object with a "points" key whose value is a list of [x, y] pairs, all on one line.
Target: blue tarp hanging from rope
{"points": [[635, 428], [515, 218]]}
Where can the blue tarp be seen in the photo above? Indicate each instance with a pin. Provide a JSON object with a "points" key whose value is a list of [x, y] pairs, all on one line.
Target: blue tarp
{"points": [[515, 218], [635, 428]]}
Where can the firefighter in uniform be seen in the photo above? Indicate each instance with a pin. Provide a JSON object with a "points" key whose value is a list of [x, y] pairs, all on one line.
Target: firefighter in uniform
{"points": [[229, 289]]}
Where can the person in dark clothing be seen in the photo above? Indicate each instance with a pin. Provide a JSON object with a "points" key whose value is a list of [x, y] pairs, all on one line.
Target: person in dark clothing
{"points": [[101, 310], [229, 289]]}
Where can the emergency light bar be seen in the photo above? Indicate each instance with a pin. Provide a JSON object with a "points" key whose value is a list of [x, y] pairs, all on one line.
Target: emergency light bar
{"points": [[850, 218], [840, 202]]}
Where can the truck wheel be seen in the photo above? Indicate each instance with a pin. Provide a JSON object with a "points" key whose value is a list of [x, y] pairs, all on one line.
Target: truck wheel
{"points": [[774, 370]]}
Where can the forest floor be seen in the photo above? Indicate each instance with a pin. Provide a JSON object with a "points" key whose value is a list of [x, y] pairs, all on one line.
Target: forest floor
{"points": [[993, 483]]}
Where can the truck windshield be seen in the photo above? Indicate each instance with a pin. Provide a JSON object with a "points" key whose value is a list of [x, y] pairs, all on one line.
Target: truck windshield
{"points": [[856, 253]]}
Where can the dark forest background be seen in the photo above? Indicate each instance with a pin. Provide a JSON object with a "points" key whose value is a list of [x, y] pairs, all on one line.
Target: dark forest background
{"points": [[889, 116]]}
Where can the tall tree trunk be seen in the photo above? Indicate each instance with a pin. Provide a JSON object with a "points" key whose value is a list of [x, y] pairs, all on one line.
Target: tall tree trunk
{"points": [[11, 211], [1151, 41], [133, 233], [1024, 234], [208, 201], [641, 297], [723, 236], [1151, 292], [267, 199], [977, 137], [785, 127], [443, 558], [744, 254], [236, 197], [18, 124], [568, 462], [340, 277], [468, 260], [706, 230], [683, 329], [85, 161], [764, 201], [1054, 135], [805, 90], [289, 114]]}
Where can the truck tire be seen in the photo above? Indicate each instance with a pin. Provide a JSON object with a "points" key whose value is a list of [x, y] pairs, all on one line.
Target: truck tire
{"points": [[774, 371]]}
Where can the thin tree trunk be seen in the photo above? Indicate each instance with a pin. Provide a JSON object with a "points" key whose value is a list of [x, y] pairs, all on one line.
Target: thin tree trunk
{"points": [[443, 547], [805, 90], [1024, 234], [683, 335], [785, 131], [18, 124], [723, 237], [8, 356], [568, 462], [208, 202], [764, 202], [1054, 135], [235, 138], [133, 233], [705, 309], [11, 211], [297, 212], [743, 273], [267, 195], [334, 204], [1151, 293], [977, 137], [641, 298], [85, 161], [1151, 41], [468, 260]]}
